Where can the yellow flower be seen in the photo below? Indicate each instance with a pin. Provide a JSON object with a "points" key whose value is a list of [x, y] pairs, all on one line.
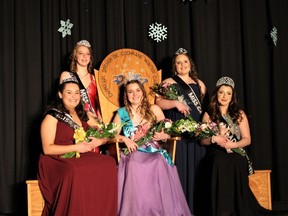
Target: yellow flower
{"points": [[79, 136]]}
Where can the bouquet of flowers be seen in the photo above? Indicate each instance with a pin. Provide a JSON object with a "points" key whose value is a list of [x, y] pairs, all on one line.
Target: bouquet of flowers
{"points": [[166, 90], [210, 129], [100, 130], [143, 134]]}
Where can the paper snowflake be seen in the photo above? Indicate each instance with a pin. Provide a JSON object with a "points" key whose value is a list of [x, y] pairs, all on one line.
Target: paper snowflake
{"points": [[273, 35], [65, 28], [158, 32]]}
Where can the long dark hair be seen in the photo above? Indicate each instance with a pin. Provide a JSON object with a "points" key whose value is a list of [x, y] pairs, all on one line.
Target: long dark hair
{"points": [[59, 105], [234, 108]]}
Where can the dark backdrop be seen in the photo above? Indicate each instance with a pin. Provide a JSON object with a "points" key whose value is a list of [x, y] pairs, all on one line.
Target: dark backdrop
{"points": [[224, 37]]}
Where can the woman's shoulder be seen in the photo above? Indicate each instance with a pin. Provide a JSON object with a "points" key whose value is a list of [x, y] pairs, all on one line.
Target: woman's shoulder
{"points": [[64, 75], [169, 80]]}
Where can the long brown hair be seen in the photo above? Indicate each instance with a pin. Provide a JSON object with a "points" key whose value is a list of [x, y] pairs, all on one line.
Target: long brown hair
{"points": [[73, 64], [234, 108], [192, 73], [145, 105]]}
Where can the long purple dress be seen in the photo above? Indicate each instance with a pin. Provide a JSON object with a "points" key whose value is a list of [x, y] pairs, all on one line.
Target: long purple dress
{"points": [[77, 186], [148, 185]]}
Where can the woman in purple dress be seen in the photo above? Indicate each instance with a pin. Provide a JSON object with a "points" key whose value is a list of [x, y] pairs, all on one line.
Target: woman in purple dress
{"points": [[148, 182]]}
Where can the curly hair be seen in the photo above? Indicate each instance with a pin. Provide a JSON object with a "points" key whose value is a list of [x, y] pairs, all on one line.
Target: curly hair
{"points": [[59, 105], [144, 108], [192, 73], [234, 108], [73, 64]]}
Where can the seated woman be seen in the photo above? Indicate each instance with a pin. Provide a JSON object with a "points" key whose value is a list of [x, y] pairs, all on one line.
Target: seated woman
{"points": [[147, 184], [74, 186], [223, 184]]}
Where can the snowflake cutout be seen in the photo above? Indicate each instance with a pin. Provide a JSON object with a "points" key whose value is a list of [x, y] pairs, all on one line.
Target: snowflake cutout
{"points": [[65, 28], [273, 35], [158, 32]]}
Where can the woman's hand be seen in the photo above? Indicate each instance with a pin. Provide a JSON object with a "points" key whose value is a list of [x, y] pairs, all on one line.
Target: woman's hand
{"points": [[160, 136], [182, 108], [131, 145], [220, 140], [95, 142], [83, 147]]}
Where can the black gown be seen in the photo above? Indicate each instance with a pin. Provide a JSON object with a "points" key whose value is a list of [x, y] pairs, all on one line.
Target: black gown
{"points": [[188, 152]]}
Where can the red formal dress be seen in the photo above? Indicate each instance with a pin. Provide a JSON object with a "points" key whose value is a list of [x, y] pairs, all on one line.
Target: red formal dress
{"points": [[77, 186]]}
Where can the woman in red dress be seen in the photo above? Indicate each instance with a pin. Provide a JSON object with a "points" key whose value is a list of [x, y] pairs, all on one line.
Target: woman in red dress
{"points": [[74, 186]]}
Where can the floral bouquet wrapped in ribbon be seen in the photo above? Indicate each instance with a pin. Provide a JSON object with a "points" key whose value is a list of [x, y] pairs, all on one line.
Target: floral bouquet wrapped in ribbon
{"points": [[143, 134], [100, 131], [166, 90]]}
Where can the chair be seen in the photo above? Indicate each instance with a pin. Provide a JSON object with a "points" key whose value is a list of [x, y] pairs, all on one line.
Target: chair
{"points": [[112, 72], [35, 199], [260, 185]]}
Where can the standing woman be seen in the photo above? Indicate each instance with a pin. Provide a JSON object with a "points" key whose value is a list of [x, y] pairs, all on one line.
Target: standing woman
{"points": [[81, 69], [74, 186], [193, 92]]}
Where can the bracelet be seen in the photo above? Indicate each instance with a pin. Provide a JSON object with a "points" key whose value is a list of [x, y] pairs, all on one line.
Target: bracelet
{"points": [[212, 140]]}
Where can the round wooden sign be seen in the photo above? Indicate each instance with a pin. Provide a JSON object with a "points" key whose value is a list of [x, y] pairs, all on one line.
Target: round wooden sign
{"points": [[123, 63]]}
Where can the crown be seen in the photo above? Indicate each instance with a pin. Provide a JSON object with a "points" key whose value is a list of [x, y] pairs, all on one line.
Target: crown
{"points": [[84, 43], [181, 51], [70, 79], [132, 76], [225, 81]]}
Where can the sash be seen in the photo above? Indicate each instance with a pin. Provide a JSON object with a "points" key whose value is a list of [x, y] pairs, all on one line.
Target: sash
{"points": [[234, 137], [188, 93], [128, 130], [83, 92], [64, 117]]}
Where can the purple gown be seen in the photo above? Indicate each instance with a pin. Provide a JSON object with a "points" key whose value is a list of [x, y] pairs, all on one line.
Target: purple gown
{"points": [[148, 185]]}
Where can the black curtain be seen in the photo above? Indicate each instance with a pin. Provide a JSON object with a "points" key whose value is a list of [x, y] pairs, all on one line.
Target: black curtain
{"points": [[224, 37]]}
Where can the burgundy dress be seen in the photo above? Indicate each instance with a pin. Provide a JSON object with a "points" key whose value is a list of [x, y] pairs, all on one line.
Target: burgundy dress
{"points": [[77, 186]]}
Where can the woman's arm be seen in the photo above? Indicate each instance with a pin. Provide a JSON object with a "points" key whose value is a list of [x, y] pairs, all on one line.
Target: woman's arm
{"points": [[48, 133], [218, 139], [131, 145]]}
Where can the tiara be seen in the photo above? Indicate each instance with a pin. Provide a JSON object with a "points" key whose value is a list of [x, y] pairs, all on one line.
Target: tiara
{"points": [[131, 76], [70, 79], [181, 51], [225, 81], [84, 43]]}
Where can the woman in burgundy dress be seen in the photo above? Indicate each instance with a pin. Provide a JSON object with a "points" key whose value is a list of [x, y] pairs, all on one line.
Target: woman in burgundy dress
{"points": [[74, 186]]}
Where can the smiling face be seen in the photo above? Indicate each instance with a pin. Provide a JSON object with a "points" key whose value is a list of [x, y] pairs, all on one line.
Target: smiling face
{"points": [[224, 95], [70, 95], [182, 64], [134, 93], [83, 56]]}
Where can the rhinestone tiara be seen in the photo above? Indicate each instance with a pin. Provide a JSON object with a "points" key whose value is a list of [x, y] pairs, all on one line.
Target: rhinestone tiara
{"points": [[84, 43], [181, 51], [225, 81], [70, 79]]}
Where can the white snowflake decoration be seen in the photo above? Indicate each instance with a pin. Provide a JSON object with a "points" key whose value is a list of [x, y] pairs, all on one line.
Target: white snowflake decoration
{"points": [[158, 32], [65, 28], [273, 35]]}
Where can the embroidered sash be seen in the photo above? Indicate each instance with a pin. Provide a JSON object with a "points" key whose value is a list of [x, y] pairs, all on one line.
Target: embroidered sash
{"points": [[64, 117], [188, 93], [84, 94], [236, 136], [128, 130]]}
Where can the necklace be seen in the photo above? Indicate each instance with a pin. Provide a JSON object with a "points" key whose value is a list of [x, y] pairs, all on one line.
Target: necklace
{"points": [[83, 75]]}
